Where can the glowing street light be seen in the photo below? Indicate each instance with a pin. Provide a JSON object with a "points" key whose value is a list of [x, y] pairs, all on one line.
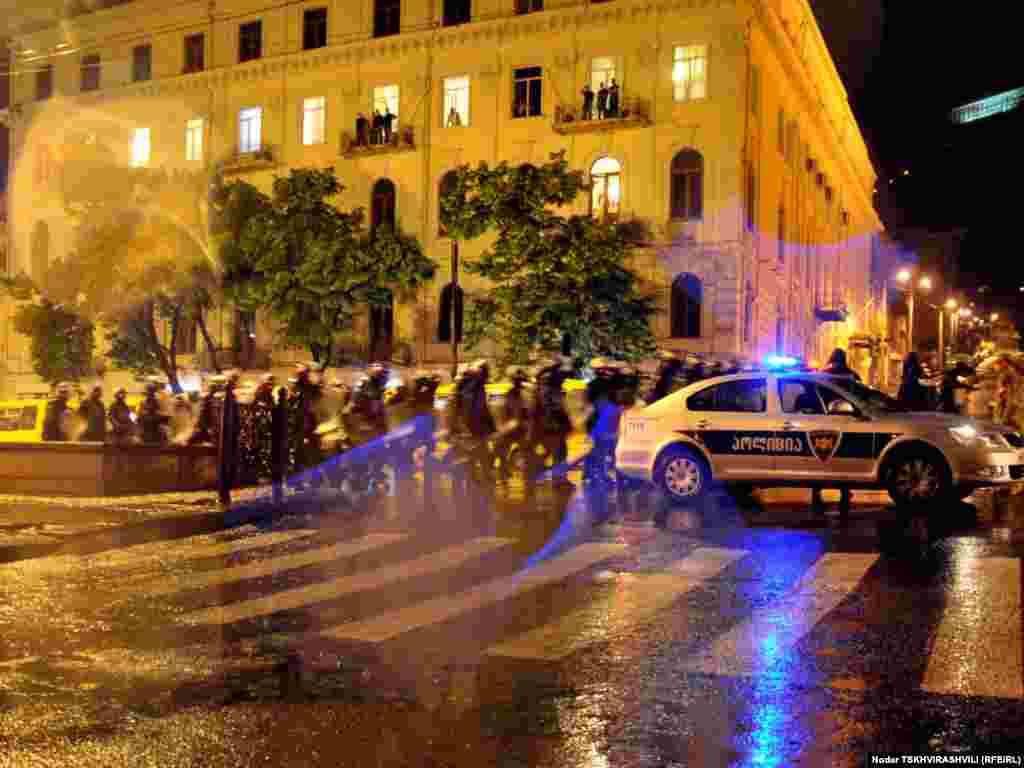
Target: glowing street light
{"points": [[925, 283], [903, 276], [995, 316], [951, 304]]}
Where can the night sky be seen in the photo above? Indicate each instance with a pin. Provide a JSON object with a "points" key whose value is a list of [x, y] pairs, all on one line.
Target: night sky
{"points": [[906, 65]]}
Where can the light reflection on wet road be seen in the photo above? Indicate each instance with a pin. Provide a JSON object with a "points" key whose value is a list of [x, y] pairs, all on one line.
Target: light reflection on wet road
{"points": [[738, 637]]}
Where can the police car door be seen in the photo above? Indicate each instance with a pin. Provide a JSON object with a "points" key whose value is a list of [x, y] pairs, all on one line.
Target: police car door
{"points": [[730, 420], [830, 446]]}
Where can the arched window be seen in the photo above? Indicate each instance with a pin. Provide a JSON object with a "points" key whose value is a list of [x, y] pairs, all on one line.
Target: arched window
{"points": [[605, 188], [687, 296], [446, 185], [688, 185], [40, 253], [451, 308], [382, 209]]}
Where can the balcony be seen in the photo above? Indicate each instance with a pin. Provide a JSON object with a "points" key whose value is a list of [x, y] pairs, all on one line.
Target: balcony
{"points": [[243, 162], [634, 114], [402, 140]]}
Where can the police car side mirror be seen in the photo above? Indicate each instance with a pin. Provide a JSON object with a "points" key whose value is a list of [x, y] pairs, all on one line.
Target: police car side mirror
{"points": [[841, 408]]}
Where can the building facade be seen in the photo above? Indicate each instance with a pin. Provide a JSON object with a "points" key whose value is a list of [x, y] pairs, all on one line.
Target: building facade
{"points": [[733, 143]]}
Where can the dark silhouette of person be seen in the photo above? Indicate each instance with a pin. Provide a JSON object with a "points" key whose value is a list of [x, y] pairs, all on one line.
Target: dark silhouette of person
{"points": [[912, 393], [152, 418], [664, 384], [55, 420], [602, 102], [613, 99], [377, 131], [122, 426], [94, 414], [362, 130], [950, 384], [837, 366], [227, 446], [588, 102], [389, 122]]}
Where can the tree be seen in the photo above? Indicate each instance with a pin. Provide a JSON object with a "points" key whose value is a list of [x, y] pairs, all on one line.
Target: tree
{"points": [[140, 254], [553, 276], [62, 341], [311, 265]]}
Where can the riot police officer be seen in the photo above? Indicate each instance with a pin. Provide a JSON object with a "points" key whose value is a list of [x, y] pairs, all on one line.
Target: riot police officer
{"points": [[515, 428], [55, 427], [207, 425], [551, 423], [152, 418], [94, 414], [122, 423], [669, 368]]}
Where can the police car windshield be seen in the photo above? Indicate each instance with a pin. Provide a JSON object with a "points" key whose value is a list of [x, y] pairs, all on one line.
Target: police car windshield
{"points": [[872, 398]]}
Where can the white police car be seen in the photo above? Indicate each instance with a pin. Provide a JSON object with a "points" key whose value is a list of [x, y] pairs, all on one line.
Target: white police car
{"points": [[776, 428]]}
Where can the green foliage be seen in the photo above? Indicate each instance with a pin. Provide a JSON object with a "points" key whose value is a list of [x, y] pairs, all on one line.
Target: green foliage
{"points": [[311, 265], [62, 341], [552, 274]]}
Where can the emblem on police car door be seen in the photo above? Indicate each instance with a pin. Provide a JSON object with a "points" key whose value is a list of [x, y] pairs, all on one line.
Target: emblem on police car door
{"points": [[824, 443]]}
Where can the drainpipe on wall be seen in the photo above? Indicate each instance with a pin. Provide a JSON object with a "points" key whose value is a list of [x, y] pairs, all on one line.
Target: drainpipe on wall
{"points": [[747, 159]]}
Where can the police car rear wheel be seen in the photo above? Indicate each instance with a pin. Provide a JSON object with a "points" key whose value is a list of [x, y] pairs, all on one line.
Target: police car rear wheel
{"points": [[918, 479], [682, 475]]}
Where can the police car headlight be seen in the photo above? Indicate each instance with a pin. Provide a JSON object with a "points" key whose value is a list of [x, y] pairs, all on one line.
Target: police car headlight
{"points": [[965, 434]]}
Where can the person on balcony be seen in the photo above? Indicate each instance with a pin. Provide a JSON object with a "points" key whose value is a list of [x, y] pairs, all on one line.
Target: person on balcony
{"points": [[602, 102], [588, 102], [362, 131], [389, 122], [454, 121], [613, 99], [377, 128]]}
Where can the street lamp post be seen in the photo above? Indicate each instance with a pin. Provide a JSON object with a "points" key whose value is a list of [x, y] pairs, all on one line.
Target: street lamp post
{"points": [[904, 277]]}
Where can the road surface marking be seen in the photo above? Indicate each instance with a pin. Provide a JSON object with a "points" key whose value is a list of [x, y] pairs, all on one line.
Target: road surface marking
{"points": [[749, 648], [977, 649], [163, 551], [440, 609], [635, 599], [429, 563], [259, 568]]}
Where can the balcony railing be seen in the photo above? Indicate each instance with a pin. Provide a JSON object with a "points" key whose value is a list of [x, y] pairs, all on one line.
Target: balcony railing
{"points": [[402, 140], [633, 113], [258, 160]]}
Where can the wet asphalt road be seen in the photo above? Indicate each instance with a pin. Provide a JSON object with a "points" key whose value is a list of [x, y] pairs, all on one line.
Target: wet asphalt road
{"points": [[522, 633]]}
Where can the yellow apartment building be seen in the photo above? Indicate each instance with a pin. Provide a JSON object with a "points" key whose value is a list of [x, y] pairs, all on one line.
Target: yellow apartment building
{"points": [[729, 136]]}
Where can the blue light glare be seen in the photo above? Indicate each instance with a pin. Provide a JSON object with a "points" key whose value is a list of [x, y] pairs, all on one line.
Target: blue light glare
{"points": [[780, 361]]}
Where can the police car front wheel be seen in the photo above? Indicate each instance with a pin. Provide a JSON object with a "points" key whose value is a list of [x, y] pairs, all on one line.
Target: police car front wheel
{"points": [[682, 475], [918, 478]]}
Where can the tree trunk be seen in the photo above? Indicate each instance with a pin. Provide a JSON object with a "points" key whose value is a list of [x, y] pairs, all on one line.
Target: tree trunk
{"points": [[172, 356], [201, 319]]}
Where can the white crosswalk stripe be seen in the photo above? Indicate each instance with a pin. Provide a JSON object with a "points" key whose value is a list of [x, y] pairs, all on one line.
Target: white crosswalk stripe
{"points": [[429, 563], [978, 648], [751, 647], [392, 624], [260, 568], [634, 601]]}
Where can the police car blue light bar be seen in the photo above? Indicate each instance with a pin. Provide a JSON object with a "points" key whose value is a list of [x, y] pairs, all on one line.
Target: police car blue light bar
{"points": [[780, 361]]}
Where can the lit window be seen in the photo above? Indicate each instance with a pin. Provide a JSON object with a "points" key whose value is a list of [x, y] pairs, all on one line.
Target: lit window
{"points": [[250, 125], [528, 86], [313, 120], [385, 99], [140, 148], [690, 72], [194, 140], [605, 188], [456, 102]]}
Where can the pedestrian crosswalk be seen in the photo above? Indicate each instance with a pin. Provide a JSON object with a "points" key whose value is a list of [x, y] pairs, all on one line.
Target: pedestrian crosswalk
{"points": [[606, 586]]}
